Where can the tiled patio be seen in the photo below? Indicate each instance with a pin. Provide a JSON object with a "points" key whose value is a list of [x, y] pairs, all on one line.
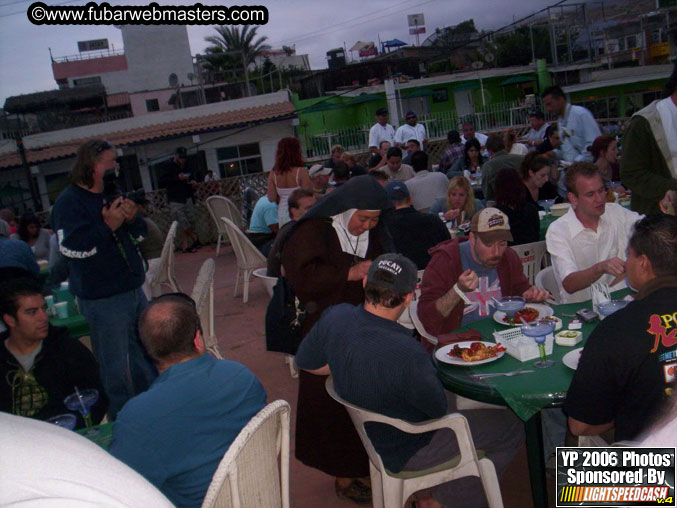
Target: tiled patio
{"points": [[240, 330]]}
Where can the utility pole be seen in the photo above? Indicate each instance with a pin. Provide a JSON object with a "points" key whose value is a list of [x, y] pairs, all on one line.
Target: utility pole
{"points": [[531, 38]]}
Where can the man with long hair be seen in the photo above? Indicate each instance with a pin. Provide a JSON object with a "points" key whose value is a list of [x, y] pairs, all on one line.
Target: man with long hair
{"points": [[106, 270]]}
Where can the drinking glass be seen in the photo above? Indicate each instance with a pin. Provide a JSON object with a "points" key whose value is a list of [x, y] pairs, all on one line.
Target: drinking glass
{"points": [[611, 306], [82, 401], [546, 204], [510, 305], [539, 330], [66, 421]]}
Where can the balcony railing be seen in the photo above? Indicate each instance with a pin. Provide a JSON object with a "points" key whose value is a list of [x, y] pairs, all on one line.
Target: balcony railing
{"points": [[90, 55]]}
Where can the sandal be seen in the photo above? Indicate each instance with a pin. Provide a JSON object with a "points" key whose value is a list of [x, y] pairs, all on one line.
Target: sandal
{"points": [[355, 492]]}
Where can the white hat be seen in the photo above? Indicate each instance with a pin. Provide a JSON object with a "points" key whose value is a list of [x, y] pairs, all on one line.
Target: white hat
{"points": [[319, 170]]}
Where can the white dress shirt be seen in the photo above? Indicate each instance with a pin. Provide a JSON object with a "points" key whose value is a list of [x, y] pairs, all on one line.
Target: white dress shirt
{"points": [[537, 136], [379, 133], [425, 188], [407, 132], [578, 129], [482, 138], [574, 247]]}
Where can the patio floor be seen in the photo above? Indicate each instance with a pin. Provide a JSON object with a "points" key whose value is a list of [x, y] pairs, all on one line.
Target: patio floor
{"points": [[240, 332]]}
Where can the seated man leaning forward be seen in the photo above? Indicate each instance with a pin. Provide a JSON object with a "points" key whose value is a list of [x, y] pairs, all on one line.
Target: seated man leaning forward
{"points": [[373, 360], [464, 274], [588, 243], [626, 371], [40, 365], [176, 433]]}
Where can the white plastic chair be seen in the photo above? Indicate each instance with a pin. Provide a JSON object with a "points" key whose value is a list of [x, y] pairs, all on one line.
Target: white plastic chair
{"points": [[248, 257], [413, 315], [268, 282], [218, 207], [392, 489], [203, 296], [531, 255], [405, 318], [546, 279], [165, 271], [254, 472]]}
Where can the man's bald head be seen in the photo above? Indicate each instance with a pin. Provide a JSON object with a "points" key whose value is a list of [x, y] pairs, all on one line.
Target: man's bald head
{"points": [[167, 328]]}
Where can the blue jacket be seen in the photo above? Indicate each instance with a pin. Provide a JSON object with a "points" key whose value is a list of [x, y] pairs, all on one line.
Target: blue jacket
{"points": [[102, 263]]}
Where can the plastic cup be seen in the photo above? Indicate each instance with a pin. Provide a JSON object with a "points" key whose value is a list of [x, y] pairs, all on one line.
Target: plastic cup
{"points": [[61, 310], [49, 300], [64, 285]]}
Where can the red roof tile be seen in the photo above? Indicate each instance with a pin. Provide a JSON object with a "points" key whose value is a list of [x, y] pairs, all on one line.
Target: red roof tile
{"points": [[153, 132]]}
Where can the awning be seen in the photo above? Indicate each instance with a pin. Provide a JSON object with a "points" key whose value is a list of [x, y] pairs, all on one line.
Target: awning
{"points": [[321, 106], [394, 43], [467, 86], [514, 80], [364, 97], [420, 92]]}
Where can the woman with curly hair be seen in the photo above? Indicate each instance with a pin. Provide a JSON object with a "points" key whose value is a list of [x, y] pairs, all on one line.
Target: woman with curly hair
{"points": [[287, 175], [30, 230]]}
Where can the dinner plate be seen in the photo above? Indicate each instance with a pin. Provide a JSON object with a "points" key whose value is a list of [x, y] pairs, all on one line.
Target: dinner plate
{"points": [[543, 310], [571, 358], [442, 354]]}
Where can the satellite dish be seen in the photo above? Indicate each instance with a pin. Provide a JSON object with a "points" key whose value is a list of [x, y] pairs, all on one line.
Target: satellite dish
{"points": [[173, 80], [477, 65], [489, 57]]}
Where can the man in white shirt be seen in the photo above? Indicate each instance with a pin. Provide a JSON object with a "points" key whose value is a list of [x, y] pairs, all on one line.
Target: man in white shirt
{"points": [[425, 187], [577, 127], [588, 243], [536, 134], [381, 131], [411, 130], [469, 133]]}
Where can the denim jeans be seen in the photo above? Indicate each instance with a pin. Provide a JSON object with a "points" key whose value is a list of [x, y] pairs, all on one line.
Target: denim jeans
{"points": [[126, 369]]}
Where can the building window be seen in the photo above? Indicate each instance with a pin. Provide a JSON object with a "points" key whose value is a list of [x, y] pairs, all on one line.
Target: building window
{"points": [[441, 95], [631, 41], [92, 80], [152, 105], [239, 160]]}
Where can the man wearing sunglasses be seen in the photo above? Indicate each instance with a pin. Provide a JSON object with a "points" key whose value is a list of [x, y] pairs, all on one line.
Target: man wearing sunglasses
{"points": [[411, 130], [106, 271]]}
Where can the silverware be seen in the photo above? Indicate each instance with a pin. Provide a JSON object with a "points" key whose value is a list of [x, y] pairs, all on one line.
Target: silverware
{"points": [[498, 374]]}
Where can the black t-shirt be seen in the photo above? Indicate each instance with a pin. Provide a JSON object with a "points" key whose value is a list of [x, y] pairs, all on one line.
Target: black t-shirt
{"points": [[544, 147], [178, 191], [628, 366], [377, 365], [525, 224], [414, 233]]}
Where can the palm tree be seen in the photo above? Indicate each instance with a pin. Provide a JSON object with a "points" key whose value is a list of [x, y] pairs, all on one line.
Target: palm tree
{"points": [[233, 40]]}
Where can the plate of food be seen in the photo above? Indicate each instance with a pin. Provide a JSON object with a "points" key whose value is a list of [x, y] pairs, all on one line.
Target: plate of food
{"points": [[531, 312], [470, 352], [571, 358]]}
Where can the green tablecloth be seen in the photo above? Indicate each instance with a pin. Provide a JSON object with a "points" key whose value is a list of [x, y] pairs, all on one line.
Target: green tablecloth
{"points": [[525, 394], [77, 325], [99, 434], [545, 224]]}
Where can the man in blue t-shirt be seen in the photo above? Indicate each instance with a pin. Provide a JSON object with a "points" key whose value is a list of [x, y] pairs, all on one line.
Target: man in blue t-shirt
{"points": [[177, 432], [377, 365], [263, 225]]}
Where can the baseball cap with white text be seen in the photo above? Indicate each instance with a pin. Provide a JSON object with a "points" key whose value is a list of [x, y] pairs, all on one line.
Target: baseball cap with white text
{"points": [[394, 272], [491, 225]]}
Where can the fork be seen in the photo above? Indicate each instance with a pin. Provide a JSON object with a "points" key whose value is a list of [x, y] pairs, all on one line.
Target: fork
{"points": [[497, 374]]}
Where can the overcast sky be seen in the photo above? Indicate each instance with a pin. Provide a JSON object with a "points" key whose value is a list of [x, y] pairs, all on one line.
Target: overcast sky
{"points": [[315, 26]]}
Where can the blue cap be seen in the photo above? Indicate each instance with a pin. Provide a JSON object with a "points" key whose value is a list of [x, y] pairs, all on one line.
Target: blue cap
{"points": [[397, 191], [409, 113]]}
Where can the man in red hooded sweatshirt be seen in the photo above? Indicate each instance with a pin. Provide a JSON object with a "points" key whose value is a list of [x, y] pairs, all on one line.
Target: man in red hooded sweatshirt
{"points": [[465, 273]]}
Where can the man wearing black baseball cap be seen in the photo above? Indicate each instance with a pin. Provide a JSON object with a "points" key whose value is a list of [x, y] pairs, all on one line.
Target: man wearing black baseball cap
{"points": [[179, 187], [381, 131], [377, 365]]}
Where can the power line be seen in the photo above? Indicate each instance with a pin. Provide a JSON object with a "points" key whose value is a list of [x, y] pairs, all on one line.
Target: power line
{"points": [[24, 12]]}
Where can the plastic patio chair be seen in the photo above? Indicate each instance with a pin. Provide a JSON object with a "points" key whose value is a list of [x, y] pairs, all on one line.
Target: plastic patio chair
{"points": [[546, 279], [531, 255], [254, 472], [413, 315], [405, 318], [248, 257], [165, 272], [203, 295], [218, 207], [392, 489]]}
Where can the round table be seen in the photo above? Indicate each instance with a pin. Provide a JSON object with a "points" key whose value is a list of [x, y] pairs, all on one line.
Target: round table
{"points": [[526, 394]]}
